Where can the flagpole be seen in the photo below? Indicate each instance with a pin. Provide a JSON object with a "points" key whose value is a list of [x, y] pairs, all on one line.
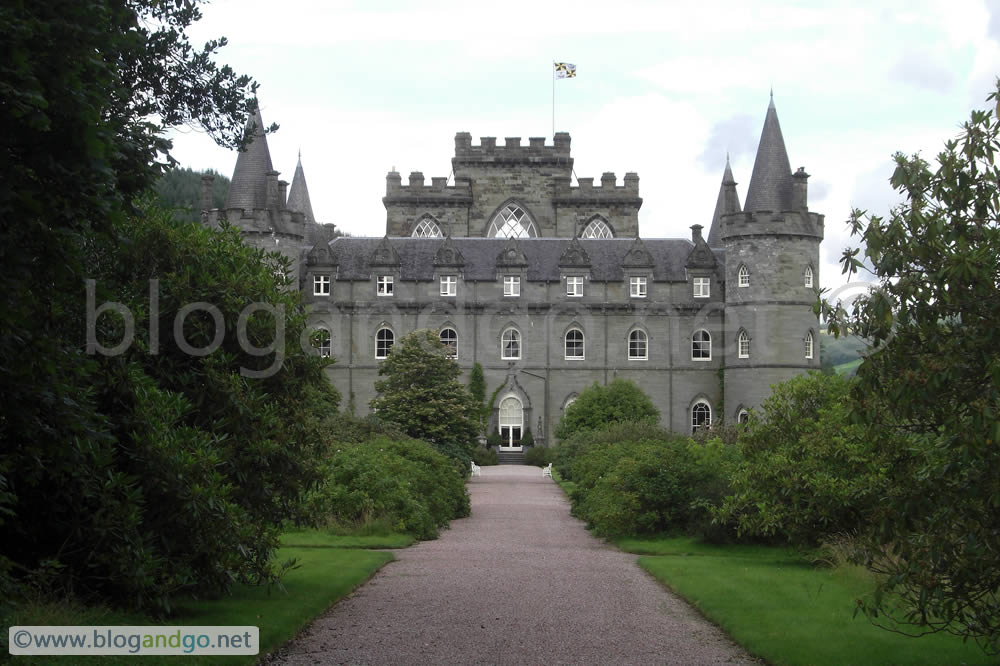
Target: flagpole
{"points": [[553, 71]]}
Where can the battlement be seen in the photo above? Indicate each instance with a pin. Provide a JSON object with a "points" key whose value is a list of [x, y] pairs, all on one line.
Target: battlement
{"points": [[418, 190], [511, 152], [259, 220], [607, 191]]}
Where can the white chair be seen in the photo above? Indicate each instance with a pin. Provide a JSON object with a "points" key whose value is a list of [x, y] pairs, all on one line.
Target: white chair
{"points": [[547, 471], [476, 470]]}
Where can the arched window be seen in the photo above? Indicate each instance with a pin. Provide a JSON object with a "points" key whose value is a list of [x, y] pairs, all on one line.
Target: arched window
{"points": [[574, 344], [701, 415], [701, 346], [427, 228], [808, 276], [511, 421], [743, 416], [743, 342], [597, 228], [569, 401], [809, 344], [743, 276], [320, 340], [638, 347], [449, 338], [384, 340], [512, 221], [510, 344]]}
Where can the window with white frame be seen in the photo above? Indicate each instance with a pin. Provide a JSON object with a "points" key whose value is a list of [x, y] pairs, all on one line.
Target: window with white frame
{"points": [[743, 416], [510, 344], [512, 221], [597, 228], [637, 287], [427, 228], [743, 344], [574, 344], [321, 341], [449, 338], [511, 285], [574, 286], [809, 344], [383, 285], [321, 285], [743, 276], [808, 276], [384, 340], [702, 287], [638, 345], [701, 415], [449, 285], [701, 346]]}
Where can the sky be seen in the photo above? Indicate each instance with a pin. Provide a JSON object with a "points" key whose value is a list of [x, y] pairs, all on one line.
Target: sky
{"points": [[664, 89]]}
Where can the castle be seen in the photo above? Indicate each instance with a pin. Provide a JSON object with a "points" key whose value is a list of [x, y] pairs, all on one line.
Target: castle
{"points": [[548, 285]]}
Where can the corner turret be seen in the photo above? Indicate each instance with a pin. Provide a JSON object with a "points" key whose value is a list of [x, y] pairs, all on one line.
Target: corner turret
{"points": [[728, 202]]}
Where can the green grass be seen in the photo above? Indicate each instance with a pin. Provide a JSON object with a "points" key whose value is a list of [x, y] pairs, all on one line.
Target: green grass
{"points": [[782, 608], [324, 575]]}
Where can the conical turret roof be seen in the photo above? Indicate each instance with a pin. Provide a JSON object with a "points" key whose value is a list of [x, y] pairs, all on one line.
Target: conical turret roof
{"points": [[715, 230], [298, 195], [248, 188], [771, 182]]}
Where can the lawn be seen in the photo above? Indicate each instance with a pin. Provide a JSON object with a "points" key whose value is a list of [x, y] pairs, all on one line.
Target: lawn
{"points": [[326, 573], [782, 608]]}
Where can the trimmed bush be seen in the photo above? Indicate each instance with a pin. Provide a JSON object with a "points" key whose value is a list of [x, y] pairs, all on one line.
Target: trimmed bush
{"points": [[483, 456], [406, 484], [539, 456], [621, 401]]}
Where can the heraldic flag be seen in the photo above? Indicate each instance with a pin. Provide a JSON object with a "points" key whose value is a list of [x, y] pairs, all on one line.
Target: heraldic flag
{"points": [[565, 70]]}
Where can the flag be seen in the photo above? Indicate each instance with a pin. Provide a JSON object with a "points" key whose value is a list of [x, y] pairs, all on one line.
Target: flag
{"points": [[565, 70]]}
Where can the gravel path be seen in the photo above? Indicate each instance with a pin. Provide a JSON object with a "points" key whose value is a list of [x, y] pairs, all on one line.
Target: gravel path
{"points": [[518, 582]]}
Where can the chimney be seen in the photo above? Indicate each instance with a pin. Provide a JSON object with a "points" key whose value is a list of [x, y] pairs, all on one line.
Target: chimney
{"points": [[696, 234], [207, 181], [282, 193], [393, 181], [272, 191], [800, 189]]}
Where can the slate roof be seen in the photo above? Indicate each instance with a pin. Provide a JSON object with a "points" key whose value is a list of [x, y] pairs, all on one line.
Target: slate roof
{"points": [[298, 194], [771, 182], [416, 257], [248, 188], [715, 229]]}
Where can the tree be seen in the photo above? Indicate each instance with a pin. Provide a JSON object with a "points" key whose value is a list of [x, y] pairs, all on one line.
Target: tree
{"points": [[477, 388], [421, 394], [179, 190], [618, 402], [928, 393]]}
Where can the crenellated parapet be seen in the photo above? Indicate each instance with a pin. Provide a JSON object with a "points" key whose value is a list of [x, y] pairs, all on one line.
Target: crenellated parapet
{"points": [[418, 191], [489, 153], [607, 192]]}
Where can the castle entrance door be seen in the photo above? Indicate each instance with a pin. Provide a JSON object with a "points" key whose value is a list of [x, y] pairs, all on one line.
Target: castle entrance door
{"points": [[511, 423]]}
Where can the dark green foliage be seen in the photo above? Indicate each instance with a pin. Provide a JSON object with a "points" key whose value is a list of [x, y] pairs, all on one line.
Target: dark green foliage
{"points": [[88, 86], [806, 472], [493, 440], [621, 401], [484, 457], [539, 456], [633, 480], [527, 439], [477, 389], [420, 393], [405, 484], [929, 396], [179, 190]]}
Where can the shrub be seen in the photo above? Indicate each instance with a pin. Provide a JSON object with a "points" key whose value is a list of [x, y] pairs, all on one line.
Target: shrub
{"points": [[539, 456], [483, 456], [493, 440], [527, 439], [620, 401], [569, 450], [406, 484]]}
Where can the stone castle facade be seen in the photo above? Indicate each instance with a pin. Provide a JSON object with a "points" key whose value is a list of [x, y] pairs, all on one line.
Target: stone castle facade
{"points": [[548, 285]]}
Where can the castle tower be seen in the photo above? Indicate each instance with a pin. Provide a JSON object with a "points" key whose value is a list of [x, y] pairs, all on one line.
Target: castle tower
{"points": [[772, 270], [298, 194], [728, 202]]}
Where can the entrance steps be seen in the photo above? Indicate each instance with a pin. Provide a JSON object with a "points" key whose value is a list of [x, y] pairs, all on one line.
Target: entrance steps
{"points": [[510, 457]]}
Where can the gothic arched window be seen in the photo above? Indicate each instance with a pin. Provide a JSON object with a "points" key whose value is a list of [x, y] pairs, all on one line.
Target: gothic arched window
{"points": [[807, 277], [743, 342], [597, 228], [701, 415], [512, 221], [427, 228], [743, 276]]}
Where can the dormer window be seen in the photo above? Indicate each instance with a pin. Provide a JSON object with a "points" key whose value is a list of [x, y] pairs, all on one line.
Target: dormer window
{"points": [[383, 285], [449, 285], [321, 285], [511, 286], [702, 287], [574, 286], [637, 287]]}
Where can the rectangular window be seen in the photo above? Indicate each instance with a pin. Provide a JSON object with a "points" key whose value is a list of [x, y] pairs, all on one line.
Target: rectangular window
{"points": [[702, 287], [384, 285], [637, 287], [574, 286], [511, 285], [449, 285], [321, 285]]}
